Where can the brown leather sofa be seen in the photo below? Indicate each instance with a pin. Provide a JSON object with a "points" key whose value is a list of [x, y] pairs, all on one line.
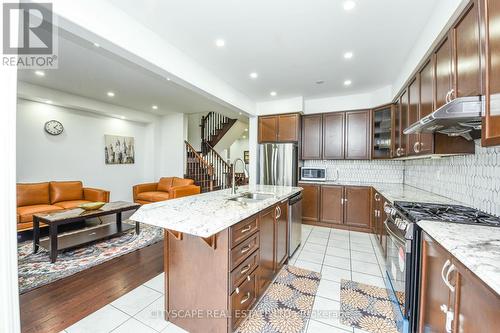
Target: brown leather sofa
{"points": [[52, 196], [167, 188]]}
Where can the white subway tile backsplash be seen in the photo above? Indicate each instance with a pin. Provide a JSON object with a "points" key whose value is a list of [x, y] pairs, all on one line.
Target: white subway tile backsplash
{"points": [[364, 171], [472, 179]]}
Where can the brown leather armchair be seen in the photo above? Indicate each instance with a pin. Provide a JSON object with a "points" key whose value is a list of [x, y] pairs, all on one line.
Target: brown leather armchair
{"points": [[52, 196], [167, 188]]}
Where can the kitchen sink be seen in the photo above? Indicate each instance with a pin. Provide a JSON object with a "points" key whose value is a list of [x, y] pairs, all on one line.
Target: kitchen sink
{"points": [[252, 197]]}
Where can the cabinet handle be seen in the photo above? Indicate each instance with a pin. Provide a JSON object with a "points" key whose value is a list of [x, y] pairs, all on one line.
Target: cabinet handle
{"points": [[278, 212], [416, 147], [447, 278], [446, 264], [245, 269], [246, 249], [246, 298], [452, 93], [447, 98], [377, 197], [247, 229], [342, 201], [449, 317]]}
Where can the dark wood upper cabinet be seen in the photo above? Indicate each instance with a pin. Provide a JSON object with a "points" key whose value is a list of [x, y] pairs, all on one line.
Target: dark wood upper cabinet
{"points": [[332, 204], [466, 54], [333, 136], [288, 127], [443, 72], [490, 16], [310, 202], [281, 235], [312, 137], [413, 115], [357, 206], [426, 75], [279, 128], [383, 132], [402, 150], [268, 129], [357, 135]]}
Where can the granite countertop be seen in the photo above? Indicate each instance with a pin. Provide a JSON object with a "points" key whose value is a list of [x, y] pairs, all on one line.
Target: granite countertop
{"points": [[394, 191], [476, 247], [206, 214]]}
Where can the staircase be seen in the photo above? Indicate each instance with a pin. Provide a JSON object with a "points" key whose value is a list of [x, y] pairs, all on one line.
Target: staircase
{"points": [[206, 167], [213, 127]]}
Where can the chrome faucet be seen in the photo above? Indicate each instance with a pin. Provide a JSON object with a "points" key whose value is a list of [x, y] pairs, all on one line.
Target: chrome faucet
{"points": [[234, 188]]}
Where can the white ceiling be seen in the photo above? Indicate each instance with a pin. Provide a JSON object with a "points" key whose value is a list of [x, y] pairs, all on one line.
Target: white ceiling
{"points": [[91, 72], [290, 43]]}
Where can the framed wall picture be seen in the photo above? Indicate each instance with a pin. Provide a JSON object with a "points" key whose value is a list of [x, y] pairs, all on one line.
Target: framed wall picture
{"points": [[246, 156], [119, 149]]}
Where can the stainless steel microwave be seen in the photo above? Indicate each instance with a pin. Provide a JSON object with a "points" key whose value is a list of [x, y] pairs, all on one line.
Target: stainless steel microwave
{"points": [[318, 174]]}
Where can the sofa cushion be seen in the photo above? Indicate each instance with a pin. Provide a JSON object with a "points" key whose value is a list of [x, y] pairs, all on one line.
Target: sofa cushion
{"points": [[165, 184], [71, 203], [32, 194], [26, 213], [65, 191], [182, 182], [153, 196]]}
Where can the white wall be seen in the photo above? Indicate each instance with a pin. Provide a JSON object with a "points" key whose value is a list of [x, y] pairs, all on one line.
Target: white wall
{"points": [[237, 150], [194, 130], [78, 153], [294, 104], [349, 102], [169, 153]]}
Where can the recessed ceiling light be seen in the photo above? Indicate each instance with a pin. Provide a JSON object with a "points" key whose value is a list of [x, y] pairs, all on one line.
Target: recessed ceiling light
{"points": [[40, 73], [122, 117], [111, 94], [348, 55], [273, 93], [97, 45], [254, 75], [48, 101], [244, 136], [240, 113], [168, 79], [155, 107], [220, 42], [347, 82], [349, 5], [320, 82], [246, 129]]}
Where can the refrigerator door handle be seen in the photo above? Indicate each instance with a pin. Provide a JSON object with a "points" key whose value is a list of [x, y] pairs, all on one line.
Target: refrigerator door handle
{"points": [[275, 165]]}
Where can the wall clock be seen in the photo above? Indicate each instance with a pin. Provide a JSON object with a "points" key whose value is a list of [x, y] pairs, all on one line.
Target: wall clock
{"points": [[54, 127]]}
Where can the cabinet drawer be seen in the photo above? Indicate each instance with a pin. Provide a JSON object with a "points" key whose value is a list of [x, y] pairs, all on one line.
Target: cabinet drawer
{"points": [[243, 250], [241, 272], [244, 229], [243, 299]]}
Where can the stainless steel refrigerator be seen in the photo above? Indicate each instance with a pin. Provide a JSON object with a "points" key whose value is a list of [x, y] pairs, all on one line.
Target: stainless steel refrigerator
{"points": [[278, 164]]}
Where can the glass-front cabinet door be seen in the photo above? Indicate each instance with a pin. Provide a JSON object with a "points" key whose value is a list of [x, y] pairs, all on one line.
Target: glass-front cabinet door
{"points": [[383, 119]]}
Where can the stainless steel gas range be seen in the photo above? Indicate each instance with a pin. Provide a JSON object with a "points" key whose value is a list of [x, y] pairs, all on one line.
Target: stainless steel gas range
{"points": [[403, 250]]}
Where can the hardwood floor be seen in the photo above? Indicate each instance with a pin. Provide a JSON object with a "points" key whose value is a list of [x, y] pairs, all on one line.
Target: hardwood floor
{"points": [[54, 307]]}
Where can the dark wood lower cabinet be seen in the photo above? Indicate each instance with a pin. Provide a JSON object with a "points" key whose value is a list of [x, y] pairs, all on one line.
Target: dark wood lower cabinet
{"points": [[332, 208], [471, 305], [345, 207], [357, 212], [266, 248], [310, 203], [281, 232]]}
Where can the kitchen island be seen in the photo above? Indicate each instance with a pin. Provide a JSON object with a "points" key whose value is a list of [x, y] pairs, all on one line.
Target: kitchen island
{"points": [[222, 251]]}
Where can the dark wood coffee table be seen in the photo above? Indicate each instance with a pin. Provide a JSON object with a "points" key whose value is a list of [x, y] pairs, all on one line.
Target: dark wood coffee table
{"points": [[62, 242]]}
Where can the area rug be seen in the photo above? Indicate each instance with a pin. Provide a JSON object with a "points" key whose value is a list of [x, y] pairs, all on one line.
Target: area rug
{"points": [[367, 307], [36, 270], [286, 305]]}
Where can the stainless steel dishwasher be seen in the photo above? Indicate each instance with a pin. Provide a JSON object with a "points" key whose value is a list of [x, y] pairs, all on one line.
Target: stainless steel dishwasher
{"points": [[294, 223]]}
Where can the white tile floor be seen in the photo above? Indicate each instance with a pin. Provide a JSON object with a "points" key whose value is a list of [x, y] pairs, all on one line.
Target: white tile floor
{"points": [[337, 254]]}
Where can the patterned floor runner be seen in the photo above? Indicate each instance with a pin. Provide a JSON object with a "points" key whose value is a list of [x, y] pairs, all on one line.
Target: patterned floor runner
{"points": [[367, 307], [35, 270], [286, 305]]}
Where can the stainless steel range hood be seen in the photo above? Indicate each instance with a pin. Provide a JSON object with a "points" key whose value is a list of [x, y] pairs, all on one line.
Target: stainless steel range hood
{"points": [[458, 117]]}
